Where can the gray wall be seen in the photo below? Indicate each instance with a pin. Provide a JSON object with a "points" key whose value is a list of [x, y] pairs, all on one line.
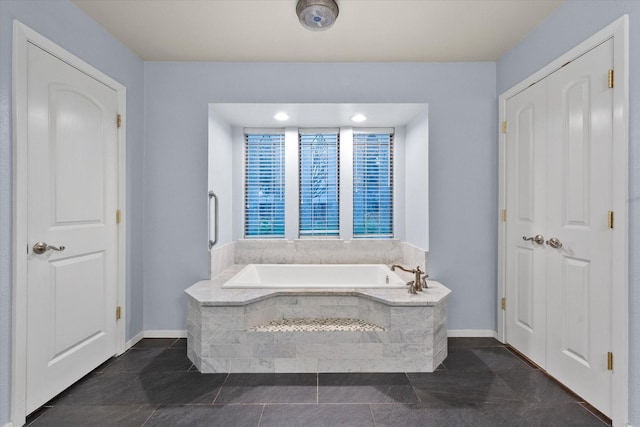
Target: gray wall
{"points": [[463, 170], [67, 26], [573, 23]]}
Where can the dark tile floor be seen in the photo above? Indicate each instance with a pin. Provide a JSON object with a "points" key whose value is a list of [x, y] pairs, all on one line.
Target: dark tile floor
{"points": [[481, 383]]}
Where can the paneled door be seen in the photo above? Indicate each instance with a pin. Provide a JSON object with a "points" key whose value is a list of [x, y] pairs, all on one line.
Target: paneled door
{"points": [[526, 207], [579, 196], [71, 227], [559, 244]]}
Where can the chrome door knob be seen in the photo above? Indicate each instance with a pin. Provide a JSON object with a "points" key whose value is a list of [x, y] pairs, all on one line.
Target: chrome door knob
{"points": [[539, 239], [41, 247], [554, 243]]}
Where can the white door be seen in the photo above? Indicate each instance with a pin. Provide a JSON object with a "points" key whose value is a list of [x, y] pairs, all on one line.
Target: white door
{"points": [[71, 203], [526, 201], [579, 182], [559, 186]]}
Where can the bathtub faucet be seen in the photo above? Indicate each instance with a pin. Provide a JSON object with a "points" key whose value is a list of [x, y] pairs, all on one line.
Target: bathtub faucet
{"points": [[420, 280]]}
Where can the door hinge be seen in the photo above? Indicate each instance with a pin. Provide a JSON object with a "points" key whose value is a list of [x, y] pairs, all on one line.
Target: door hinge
{"points": [[118, 313], [504, 127], [504, 215], [118, 121], [610, 220], [504, 303], [611, 78], [610, 361], [118, 216]]}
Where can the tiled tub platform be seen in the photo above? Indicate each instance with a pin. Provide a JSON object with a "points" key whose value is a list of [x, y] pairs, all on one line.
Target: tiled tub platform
{"points": [[318, 330]]}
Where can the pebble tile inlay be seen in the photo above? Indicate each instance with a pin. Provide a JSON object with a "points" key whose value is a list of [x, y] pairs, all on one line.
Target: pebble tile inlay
{"points": [[314, 325]]}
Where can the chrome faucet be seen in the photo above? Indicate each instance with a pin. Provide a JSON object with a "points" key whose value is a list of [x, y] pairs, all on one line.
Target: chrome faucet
{"points": [[420, 280]]}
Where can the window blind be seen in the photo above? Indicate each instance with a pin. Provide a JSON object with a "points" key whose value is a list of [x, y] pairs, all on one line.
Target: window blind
{"points": [[264, 185], [319, 183], [372, 184]]}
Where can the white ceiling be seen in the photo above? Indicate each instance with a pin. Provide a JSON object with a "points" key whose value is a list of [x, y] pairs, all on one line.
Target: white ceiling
{"points": [[365, 31]]}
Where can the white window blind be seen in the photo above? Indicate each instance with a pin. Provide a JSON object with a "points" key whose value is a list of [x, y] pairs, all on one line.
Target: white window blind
{"points": [[372, 184], [319, 183], [264, 185]]}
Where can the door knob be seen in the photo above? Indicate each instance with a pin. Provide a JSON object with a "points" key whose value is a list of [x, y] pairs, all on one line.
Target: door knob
{"points": [[41, 247], [539, 239], [554, 242]]}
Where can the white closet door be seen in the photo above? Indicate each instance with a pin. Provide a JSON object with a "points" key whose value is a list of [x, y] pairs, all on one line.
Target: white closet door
{"points": [[579, 186], [526, 207]]}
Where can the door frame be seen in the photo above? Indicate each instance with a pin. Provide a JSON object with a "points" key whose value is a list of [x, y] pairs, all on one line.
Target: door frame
{"points": [[619, 32], [22, 36]]}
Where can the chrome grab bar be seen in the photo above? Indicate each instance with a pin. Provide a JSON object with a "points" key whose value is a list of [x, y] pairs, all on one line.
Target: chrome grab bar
{"points": [[212, 242]]}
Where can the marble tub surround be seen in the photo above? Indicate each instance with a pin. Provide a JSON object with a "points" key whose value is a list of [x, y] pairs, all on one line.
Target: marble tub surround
{"points": [[221, 258], [323, 251], [309, 251], [413, 335]]}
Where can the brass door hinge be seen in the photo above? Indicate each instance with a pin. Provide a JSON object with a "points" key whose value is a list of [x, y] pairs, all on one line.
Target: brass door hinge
{"points": [[118, 216], [118, 121], [611, 78], [504, 215], [610, 361], [118, 313], [610, 220], [504, 127], [504, 303]]}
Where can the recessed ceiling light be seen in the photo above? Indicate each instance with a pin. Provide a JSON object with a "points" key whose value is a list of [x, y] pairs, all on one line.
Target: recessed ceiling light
{"points": [[358, 118], [281, 117]]}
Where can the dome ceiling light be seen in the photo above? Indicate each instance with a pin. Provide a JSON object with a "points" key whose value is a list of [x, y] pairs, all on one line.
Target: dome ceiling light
{"points": [[317, 15]]}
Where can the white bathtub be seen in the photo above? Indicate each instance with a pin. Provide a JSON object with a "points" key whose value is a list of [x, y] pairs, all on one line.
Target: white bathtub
{"points": [[315, 276]]}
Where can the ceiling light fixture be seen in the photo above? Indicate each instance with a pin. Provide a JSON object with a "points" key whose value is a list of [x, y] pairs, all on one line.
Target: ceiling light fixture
{"points": [[317, 15], [281, 117], [358, 118]]}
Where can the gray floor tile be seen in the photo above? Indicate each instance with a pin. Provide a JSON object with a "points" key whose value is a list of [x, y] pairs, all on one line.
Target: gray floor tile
{"points": [[269, 388], [179, 343], [473, 342], [480, 384], [103, 416], [330, 415], [458, 386], [365, 388], [483, 359], [538, 415], [421, 415], [155, 342], [149, 387], [206, 415], [150, 360], [535, 386]]}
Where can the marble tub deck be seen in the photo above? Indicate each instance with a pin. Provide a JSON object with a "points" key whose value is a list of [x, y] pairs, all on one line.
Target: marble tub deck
{"points": [[413, 335]]}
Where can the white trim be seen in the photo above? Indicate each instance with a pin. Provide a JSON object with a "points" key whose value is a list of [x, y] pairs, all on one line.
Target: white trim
{"points": [[619, 31], [471, 333], [22, 36], [156, 333], [165, 333], [133, 341], [9, 424]]}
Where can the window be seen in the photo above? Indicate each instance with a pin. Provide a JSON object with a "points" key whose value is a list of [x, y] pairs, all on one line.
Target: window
{"points": [[316, 212], [372, 184], [264, 185], [319, 183]]}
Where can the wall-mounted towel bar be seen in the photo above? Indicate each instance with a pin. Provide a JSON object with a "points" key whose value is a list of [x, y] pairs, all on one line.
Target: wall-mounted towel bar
{"points": [[213, 239]]}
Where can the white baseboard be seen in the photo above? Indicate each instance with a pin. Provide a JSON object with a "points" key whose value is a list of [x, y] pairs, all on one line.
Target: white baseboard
{"points": [[155, 333], [134, 340], [471, 333], [10, 424], [165, 333]]}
